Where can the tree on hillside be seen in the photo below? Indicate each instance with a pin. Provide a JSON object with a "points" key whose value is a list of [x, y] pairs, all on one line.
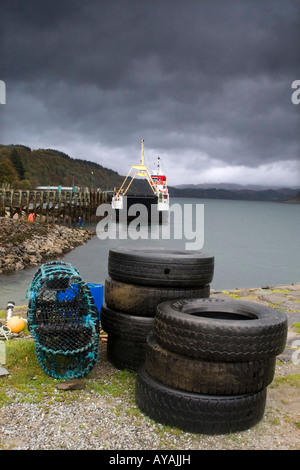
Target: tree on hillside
{"points": [[17, 163], [8, 174]]}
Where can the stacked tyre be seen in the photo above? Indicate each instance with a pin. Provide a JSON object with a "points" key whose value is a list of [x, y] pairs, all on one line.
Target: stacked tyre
{"points": [[138, 280], [208, 364]]}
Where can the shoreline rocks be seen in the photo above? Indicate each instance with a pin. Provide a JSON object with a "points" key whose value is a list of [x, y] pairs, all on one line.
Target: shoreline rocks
{"points": [[26, 244]]}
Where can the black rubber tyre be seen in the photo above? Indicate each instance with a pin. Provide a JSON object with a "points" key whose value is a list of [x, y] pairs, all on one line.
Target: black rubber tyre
{"points": [[221, 330], [127, 327], [211, 378], [124, 354], [143, 300], [191, 412], [160, 267]]}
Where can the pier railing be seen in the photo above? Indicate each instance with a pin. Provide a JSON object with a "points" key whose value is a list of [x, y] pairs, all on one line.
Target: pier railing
{"points": [[55, 206]]}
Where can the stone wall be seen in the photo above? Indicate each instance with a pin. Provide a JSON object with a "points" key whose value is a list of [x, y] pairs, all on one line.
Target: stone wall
{"points": [[24, 244]]}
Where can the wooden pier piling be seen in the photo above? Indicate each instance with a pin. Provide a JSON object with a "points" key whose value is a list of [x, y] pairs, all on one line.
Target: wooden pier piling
{"points": [[52, 206]]}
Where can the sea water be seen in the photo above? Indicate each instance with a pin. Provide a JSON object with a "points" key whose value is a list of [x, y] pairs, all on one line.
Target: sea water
{"points": [[255, 244]]}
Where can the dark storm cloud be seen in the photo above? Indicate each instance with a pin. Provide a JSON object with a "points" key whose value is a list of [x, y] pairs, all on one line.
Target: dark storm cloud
{"points": [[207, 84]]}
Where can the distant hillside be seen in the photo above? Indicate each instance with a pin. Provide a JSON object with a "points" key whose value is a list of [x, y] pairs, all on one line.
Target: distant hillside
{"points": [[235, 187], [24, 168], [295, 198], [279, 195]]}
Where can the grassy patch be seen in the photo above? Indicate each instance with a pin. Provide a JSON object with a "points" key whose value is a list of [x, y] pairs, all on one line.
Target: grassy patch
{"points": [[281, 291], [292, 380], [26, 379], [275, 306], [297, 327], [2, 314], [29, 383], [235, 296], [122, 383]]}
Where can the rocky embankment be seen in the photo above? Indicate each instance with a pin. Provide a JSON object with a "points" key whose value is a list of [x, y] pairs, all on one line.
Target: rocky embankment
{"points": [[25, 244]]}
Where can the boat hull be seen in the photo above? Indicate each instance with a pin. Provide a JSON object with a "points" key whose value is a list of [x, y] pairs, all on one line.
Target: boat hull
{"points": [[144, 207]]}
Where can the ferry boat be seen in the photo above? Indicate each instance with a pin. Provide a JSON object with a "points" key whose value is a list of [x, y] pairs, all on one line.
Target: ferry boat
{"points": [[157, 181]]}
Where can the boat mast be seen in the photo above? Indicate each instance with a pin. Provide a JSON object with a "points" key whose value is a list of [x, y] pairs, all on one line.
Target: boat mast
{"points": [[142, 170]]}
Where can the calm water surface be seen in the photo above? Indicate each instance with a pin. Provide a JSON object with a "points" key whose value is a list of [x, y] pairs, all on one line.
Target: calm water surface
{"points": [[254, 243]]}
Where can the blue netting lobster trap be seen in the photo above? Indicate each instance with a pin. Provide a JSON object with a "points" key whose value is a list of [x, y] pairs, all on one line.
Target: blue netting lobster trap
{"points": [[63, 321]]}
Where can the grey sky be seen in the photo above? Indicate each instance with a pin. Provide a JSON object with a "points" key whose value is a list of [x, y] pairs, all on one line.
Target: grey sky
{"points": [[206, 84]]}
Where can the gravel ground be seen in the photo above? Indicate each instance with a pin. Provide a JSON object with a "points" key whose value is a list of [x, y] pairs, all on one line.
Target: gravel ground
{"points": [[94, 421]]}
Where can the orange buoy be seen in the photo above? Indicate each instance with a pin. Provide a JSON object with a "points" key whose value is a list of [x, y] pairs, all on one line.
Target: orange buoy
{"points": [[16, 324]]}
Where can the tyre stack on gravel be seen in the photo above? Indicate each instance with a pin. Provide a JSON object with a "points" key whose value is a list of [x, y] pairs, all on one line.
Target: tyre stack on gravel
{"points": [[138, 280], [208, 364]]}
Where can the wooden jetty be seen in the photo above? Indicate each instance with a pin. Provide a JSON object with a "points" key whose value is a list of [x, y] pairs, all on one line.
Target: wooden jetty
{"points": [[52, 206]]}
